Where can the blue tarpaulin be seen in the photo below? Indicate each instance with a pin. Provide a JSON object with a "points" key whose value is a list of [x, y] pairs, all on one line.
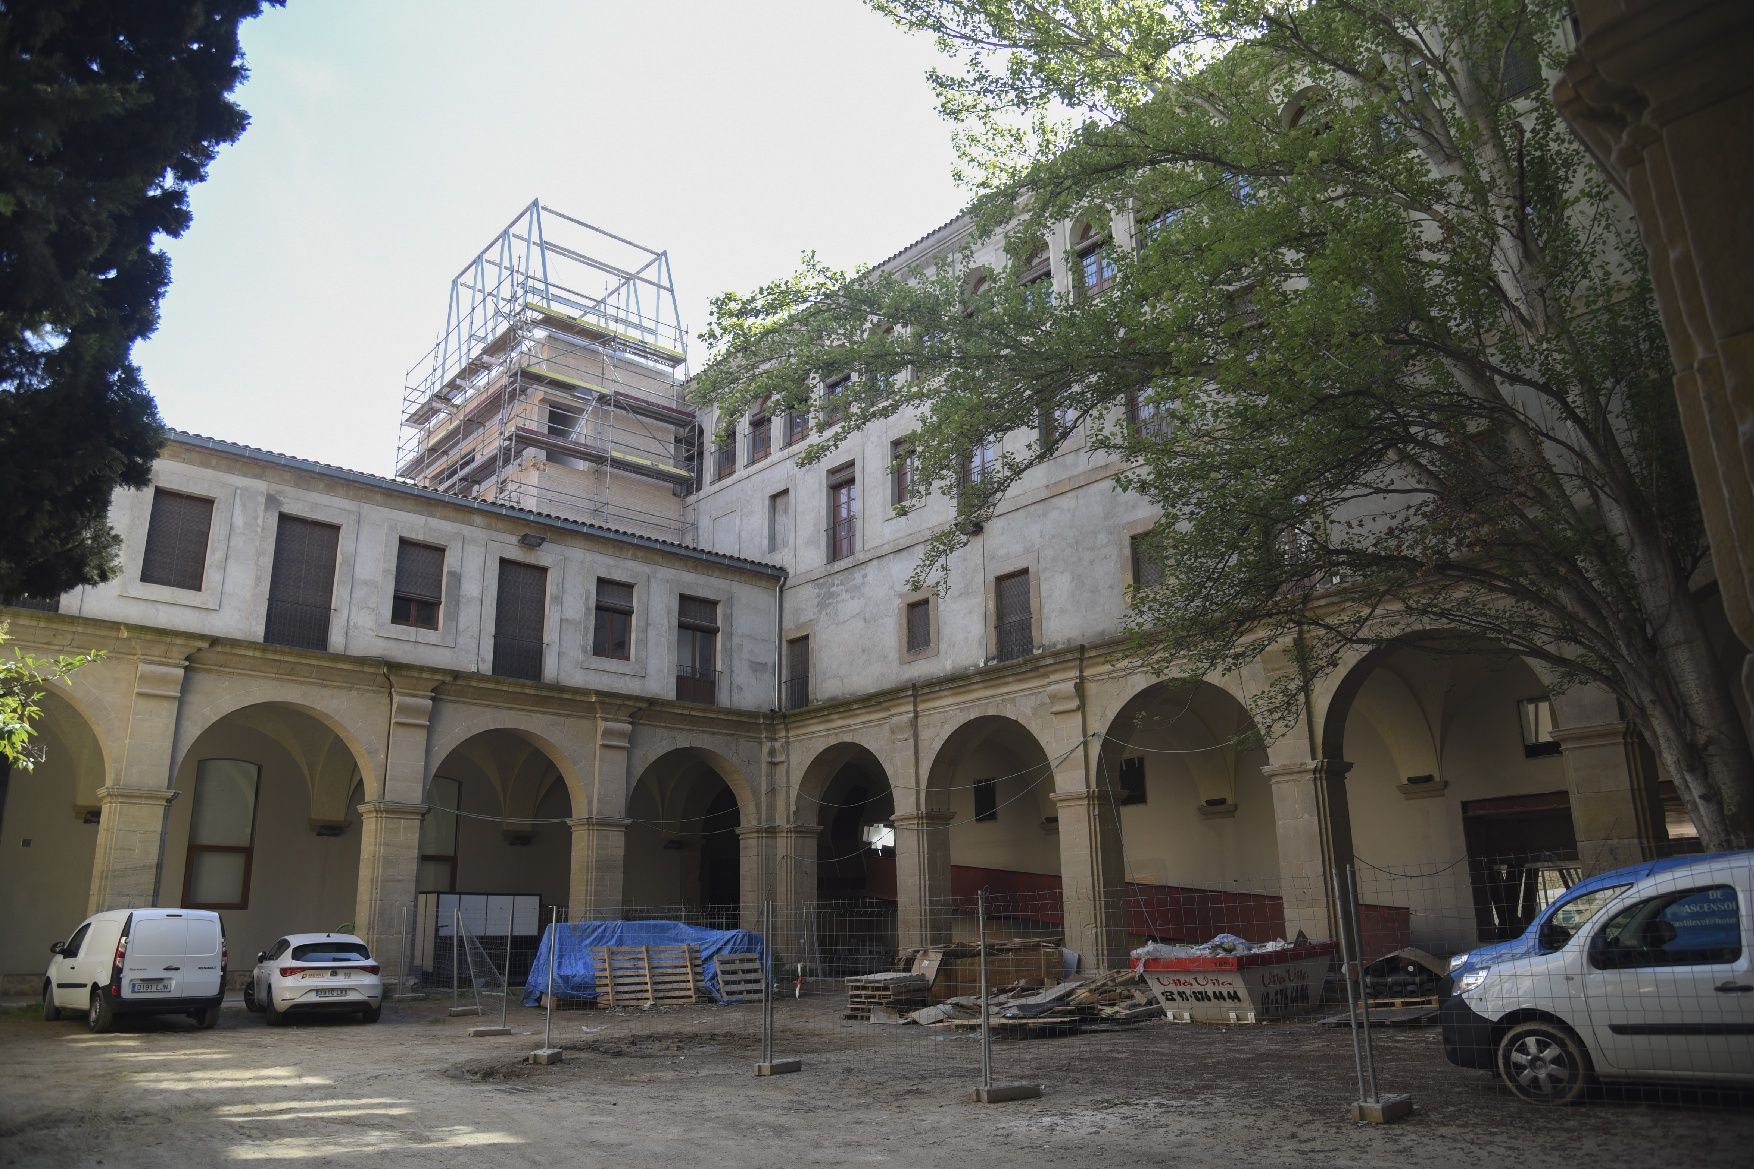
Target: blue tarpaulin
{"points": [[575, 969]]}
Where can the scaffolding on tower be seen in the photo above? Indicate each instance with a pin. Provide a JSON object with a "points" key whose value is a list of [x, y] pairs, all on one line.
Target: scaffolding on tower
{"points": [[557, 382]]}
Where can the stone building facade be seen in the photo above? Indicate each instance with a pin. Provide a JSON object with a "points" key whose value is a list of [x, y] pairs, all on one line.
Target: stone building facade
{"points": [[325, 692]]}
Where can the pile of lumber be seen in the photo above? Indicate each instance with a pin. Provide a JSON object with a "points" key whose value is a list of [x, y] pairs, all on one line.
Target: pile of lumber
{"points": [[887, 995], [954, 970], [1024, 1011]]}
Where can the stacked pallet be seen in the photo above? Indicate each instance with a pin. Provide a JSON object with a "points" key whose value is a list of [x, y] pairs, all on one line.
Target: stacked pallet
{"points": [[739, 977], [637, 975], [899, 991]]}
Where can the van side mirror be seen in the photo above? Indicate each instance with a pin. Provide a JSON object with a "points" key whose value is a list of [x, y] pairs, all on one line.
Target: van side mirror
{"points": [[57, 947]]}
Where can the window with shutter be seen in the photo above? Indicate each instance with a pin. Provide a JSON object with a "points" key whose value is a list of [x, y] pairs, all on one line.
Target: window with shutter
{"points": [[519, 615], [797, 672], [760, 438], [301, 585], [420, 585], [1014, 626], [613, 634], [919, 626], [176, 540], [697, 640]]}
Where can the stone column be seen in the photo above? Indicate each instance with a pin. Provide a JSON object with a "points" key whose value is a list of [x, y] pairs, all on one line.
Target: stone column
{"points": [[130, 833], [777, 863], [1614, 810], [1315, 841], [922, 877], [599, 862], [1093, 878], [389, 839], [389, 870], [130, 841]]}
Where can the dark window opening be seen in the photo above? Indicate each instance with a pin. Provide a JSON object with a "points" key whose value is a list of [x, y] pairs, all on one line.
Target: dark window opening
{"points": [[760, 438], [1130, 780], [797, 672], [843, 513], [1014, 622], [420, 583], [697, 640], [919, 626], [986, 799], [797, 425], [612, 633]]}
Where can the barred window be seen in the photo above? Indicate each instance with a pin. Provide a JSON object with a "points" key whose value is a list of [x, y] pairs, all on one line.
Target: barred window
{"points": [[919, 626], [697, 641], [798, 672], [797, 425], [612, 636], [519, 615], [1014, 622], [1147, 568], [301, 586], [760, 438], [902, 462], [176, 540], [420, 585]]}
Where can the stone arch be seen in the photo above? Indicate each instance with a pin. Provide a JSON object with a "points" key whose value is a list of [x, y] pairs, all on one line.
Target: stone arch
{"points": [[454, 725], [333, 708], [844, 794], [509, 830], [1011, 825], [1181, 763], [685, 852]]}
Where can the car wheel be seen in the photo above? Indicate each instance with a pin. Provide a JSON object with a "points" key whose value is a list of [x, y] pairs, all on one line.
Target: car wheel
{"points": [[271, 1016], [100, 1017], [372, 1014], [250, 1003], [50, 1011], [1544, 1063], [208, 1018]]}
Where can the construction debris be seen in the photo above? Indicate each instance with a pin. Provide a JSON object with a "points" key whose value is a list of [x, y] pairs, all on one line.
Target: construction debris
{"points": [[1019, 1010], [898, 991]]}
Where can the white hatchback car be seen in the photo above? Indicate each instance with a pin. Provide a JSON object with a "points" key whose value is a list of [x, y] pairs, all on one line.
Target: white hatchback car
{"points": [[315, 973]]}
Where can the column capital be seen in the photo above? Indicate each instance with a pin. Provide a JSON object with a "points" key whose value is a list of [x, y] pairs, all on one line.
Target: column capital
{"points": [[160, 678], [1084, 795], [614, 734], [598, 823], [136, 795], [391, 810], [1595, 735], [1310, 770]]}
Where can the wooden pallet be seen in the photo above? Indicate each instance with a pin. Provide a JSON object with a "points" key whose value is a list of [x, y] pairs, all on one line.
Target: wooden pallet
{"points": [[899, 991], [739, 977], [636, 975]]}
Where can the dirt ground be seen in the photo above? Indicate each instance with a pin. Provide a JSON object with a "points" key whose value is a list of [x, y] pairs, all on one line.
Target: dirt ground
{"points": [[674, 1086]]}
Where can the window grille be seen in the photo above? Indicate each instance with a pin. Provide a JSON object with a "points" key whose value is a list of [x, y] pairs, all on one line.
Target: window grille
{"points": [[176, 540], [1014, 625], [1147, 568], [697, 637], [519, 615], [919, 626], [760, 438], [301, 585], [901, 471], [797, 672]]}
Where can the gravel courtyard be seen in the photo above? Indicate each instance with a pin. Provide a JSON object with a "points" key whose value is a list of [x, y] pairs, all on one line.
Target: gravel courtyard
{"points": [[674, 1086]]}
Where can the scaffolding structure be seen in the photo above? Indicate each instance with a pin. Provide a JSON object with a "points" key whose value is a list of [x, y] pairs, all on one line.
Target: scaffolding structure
{"points": [[557, 383]]}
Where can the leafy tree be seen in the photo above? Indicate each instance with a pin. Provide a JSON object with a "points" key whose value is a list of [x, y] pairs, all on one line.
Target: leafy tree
{"points": [[22, 678], [1400, 368], [111, 109]]}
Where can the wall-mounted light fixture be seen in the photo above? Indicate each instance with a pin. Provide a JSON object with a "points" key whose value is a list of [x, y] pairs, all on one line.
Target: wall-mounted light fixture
{"points": [[532, 539]]}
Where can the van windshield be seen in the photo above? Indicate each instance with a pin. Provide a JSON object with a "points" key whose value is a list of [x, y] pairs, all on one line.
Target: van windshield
{"points": [[1571, 916], [331, 952]]}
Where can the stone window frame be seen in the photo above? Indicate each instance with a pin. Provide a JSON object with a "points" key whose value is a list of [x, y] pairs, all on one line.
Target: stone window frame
{"points": [[137, 518], [450, 610], [990, 612], [905, 601]]}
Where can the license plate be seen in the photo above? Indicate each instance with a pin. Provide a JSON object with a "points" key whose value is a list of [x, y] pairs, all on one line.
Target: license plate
{"points": [[148, 985], [331, 994]]}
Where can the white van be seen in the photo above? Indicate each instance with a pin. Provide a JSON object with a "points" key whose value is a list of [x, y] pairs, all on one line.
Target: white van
{"points": [[1643, 973], [139, 962]]}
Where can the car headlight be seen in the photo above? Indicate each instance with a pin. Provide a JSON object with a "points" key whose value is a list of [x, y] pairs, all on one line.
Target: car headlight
{"points": [[1459, 961], [1472, 979]]}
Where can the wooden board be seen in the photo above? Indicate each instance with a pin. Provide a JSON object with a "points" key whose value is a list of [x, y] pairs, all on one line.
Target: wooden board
{"points": [[1047, 1027], [739, 977], [629, 975]]}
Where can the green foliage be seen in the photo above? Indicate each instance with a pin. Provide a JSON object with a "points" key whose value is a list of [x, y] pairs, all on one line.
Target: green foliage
{"points": [[1407, 373], [22, 679], [111, 109]]}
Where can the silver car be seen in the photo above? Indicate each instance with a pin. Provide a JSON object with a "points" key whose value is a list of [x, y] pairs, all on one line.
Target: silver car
{"points": [[315, 973]]}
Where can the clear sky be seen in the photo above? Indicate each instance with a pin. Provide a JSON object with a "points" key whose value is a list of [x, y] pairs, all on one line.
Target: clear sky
{"points": [[391, 139]]}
